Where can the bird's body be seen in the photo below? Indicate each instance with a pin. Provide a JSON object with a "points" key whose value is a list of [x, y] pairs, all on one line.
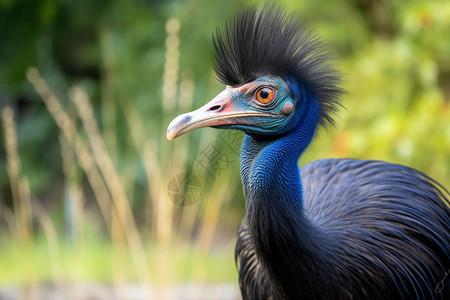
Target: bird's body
{"points": [[336, 228], [378, 244]]}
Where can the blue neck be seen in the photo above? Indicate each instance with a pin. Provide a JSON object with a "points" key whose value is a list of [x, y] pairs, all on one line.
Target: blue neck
{"points": [[274, 207], [269, 165]]}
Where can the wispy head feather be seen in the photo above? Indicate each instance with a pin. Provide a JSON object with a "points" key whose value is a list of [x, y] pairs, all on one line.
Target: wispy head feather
{"points": [[271, 42]]}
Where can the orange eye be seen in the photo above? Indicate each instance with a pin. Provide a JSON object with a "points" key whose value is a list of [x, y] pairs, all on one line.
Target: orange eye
{"points": [[265, 95]]}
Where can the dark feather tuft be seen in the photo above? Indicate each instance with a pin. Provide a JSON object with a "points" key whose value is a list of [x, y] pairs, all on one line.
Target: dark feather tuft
{"points": [[271, 42]]}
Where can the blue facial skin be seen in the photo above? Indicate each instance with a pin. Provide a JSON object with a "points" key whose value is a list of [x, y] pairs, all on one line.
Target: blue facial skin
{"points": [[273, 144], [267, 161], [263, 125]]}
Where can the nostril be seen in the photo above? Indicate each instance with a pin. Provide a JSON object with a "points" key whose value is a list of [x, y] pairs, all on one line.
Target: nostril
{"points": [[215, 107]]}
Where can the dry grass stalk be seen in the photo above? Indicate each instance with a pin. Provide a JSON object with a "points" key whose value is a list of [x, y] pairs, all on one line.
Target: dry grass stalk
{"points": [[162, 207], [73, 191], [156, 184], [112, 179], [190, 215], [68, 128], [107, 86], [217, 196], [20, 191], [146, 149], [8, 216], [88, 164], [170, 76], [52, 240], [19, 188]]}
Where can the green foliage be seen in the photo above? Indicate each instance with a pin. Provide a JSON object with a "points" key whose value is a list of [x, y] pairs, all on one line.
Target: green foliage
{"points": [[398, 100]]}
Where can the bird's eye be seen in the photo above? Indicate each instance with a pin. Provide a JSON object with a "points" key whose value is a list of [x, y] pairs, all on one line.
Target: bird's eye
{"points": [[265, 95]]}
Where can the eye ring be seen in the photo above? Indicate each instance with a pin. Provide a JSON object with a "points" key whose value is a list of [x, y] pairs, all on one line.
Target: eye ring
{"points": [[265, 95]]}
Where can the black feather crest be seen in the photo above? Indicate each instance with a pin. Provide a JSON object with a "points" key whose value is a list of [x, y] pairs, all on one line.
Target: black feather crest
{"points": [[271, 42]]}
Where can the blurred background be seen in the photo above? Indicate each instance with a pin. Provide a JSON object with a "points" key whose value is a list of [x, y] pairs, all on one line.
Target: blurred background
{"points": [[95, 202]]}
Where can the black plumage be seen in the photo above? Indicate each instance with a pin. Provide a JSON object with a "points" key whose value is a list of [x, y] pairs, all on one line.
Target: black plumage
{"points": [[335, 228], [391, 239]]}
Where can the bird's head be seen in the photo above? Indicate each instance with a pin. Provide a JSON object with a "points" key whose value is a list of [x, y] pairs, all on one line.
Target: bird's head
{"points": [[275, 71]]}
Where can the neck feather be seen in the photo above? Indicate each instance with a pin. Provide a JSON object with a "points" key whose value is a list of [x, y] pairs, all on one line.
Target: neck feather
{"points": [[287, 244]]}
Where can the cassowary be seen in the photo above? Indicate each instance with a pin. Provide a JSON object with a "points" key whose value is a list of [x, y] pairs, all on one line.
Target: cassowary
{"points": [[336, 228]]}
